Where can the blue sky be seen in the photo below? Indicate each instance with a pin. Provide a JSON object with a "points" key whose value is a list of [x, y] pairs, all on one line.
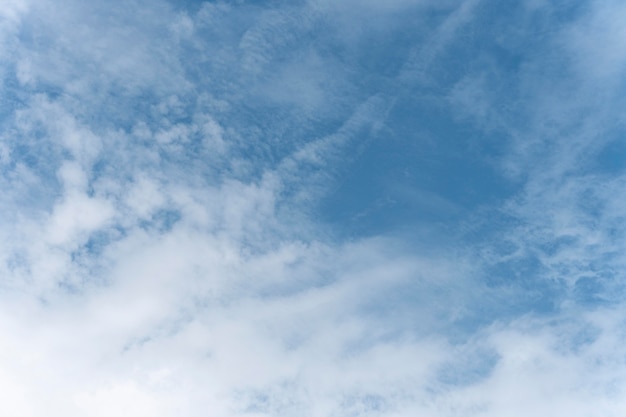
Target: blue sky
{"points": [[312, 208]]}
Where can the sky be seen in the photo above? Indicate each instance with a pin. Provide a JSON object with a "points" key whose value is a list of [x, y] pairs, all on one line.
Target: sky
{"points": [[312, 208]]}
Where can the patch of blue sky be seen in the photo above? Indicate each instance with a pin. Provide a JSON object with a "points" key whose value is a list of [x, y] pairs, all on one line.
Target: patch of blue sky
{"points": [[12, 96], [610, 159], [528, 278], [424, 169], [163, 221]]}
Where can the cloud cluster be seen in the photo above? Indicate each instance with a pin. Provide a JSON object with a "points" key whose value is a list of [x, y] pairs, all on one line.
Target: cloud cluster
{"points": [[162, 251]]}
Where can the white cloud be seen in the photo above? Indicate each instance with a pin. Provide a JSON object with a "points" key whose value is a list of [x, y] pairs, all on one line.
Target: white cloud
{"points": [[157, 258]]}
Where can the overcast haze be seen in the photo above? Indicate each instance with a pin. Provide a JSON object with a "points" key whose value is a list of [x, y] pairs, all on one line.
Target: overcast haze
{"points": [[312, 208]]}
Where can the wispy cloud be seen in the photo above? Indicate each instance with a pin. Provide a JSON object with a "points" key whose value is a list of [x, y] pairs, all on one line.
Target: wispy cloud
{"points": [[167, 171]]}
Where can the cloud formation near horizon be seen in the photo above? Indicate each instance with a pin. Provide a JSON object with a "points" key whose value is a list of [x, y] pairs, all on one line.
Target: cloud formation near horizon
{"points": [[312, 208]]}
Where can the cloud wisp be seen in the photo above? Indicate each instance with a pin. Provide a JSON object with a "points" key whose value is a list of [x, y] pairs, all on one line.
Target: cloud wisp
{"points": [[311, 208]]}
